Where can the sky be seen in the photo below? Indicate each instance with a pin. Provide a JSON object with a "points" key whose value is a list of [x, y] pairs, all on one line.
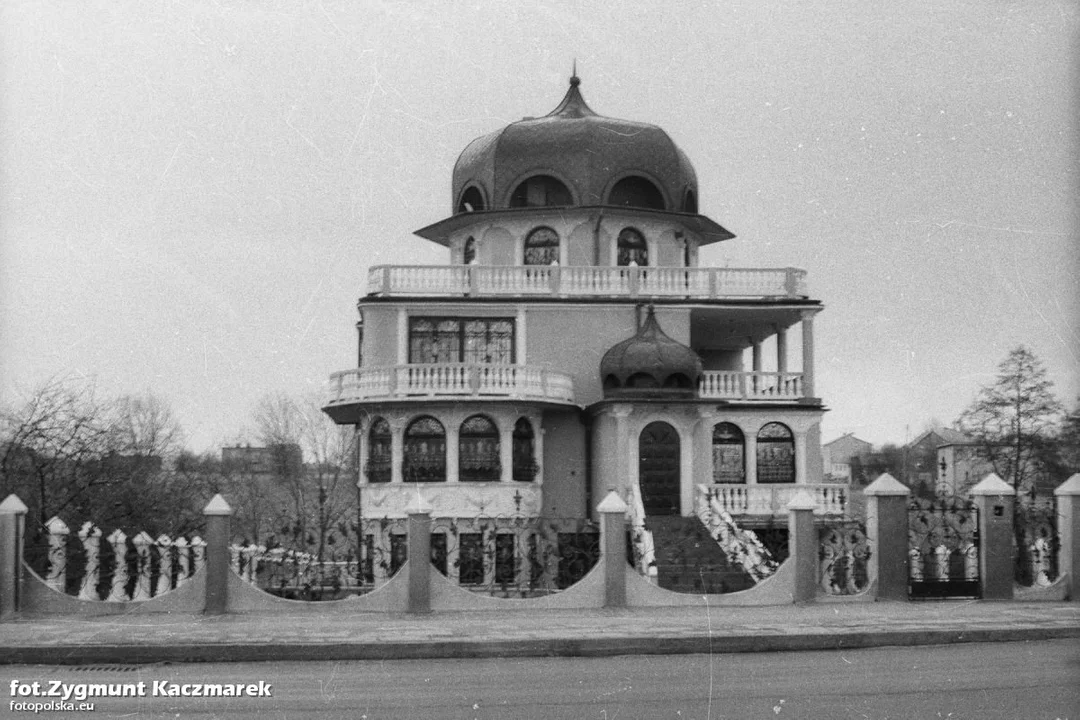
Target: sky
{"points": [[191, 191]]}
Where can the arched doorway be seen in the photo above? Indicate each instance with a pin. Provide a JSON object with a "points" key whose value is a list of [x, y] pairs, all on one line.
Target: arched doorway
{"points": [[658, 469]]}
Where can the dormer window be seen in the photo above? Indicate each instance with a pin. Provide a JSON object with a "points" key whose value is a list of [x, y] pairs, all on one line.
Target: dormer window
{"points": [[636, 191], [471, 201], [541, 191]]}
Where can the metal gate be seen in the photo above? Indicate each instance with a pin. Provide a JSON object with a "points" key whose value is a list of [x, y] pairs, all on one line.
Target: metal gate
{"points": [[943, 549]]}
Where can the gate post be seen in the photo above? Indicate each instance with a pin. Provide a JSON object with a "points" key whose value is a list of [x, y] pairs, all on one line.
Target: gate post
{"points": [[995, 501], [217, 513], [803, 546], [887, 531], [1068, 529], [12, 526], [419, 556], [612, 511]]}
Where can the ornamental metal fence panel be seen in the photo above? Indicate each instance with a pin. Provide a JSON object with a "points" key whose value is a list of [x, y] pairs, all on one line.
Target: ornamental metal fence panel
{"points": [[844, 556], [943, 548]]}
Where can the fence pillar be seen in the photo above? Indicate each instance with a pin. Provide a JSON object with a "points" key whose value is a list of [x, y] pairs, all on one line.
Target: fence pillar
{"points": [[419, 549], [803, 546], [1068, 529], [887, 531], [12, 525], [612, 511], [217, 513], [995, 500]]}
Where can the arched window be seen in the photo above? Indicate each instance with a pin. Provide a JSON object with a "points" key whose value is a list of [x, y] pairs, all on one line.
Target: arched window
{"points": [[379, 453], [775, 454], [468, 252], [525, 467], [632, 248], [540, 191], [728, 465], [478, 450], [690, 202], [542, 247], [636, 191], [471, 201], [425, 451]]}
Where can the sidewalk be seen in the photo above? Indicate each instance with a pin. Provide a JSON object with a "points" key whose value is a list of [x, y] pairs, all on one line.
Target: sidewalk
{"points": [[306, 635]]}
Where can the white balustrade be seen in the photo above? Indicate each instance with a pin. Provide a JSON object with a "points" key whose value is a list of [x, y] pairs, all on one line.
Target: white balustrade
{"points": [[118, 541], [741, 546], [585, 281], [451, 379], [730, 385], [90, 537], [773, 499], [644, 547]]}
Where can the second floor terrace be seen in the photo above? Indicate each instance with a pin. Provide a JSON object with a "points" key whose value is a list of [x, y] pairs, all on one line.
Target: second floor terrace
{"points": [[585, 281]]}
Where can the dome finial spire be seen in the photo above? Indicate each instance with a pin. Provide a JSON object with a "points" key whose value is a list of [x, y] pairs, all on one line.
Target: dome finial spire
{"points": [[574, 79]]}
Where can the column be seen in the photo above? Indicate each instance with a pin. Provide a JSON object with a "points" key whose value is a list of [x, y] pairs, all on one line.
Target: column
{"points": [[755, 379], [781, 350], [808, 353], [887, 531], [703, 452], [1068, 529], [750, 436], [397, 449], [538, 447], [995, 499], [520, 338], [800, 457], [453, 436], [625, 447], [612, 510], [12, 526], [506, 450], [803, 546], [361, 452], [217, 513]]}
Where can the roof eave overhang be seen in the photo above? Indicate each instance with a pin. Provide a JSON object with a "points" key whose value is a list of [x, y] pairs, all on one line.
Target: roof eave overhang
{"points": [[707, 229]]}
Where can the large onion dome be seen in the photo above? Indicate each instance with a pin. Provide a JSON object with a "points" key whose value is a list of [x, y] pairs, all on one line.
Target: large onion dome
{"points": [[572, 156], [650, 364]]}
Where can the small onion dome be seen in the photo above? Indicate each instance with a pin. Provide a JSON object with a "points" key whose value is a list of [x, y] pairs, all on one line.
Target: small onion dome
{"points": [[650, 364]]}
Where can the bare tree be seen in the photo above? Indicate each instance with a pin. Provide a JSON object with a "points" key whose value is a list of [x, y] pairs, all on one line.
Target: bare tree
{"points": [[1014, 418]]}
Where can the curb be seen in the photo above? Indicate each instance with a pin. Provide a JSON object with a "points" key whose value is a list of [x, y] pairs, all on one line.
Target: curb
{"points": [[550, 647]]}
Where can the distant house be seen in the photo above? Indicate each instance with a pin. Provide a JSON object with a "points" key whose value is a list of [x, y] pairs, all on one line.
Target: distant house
{"points": [[961, 465], [838, 454]]}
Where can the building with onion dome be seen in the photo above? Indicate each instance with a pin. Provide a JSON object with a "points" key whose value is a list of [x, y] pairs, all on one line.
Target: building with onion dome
{"points": [[572, 344]]}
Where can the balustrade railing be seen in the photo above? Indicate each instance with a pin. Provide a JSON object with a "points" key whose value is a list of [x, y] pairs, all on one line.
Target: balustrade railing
{"points": [[773, 499], [643, 548], [750, 385], [741, 546], [585, 281], [452, 379], [116, 568]]}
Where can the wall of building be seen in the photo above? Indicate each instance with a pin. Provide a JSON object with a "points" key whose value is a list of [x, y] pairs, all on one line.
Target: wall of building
{"points": [[565, 470]]}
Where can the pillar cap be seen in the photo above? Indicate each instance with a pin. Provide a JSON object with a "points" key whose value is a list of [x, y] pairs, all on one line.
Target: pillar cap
{"points": [[802, 500], [56, 526], [612, 503], [1069, 487], [993, 485], [13, 505], [217, 506], [886, 484], [418, 506]]}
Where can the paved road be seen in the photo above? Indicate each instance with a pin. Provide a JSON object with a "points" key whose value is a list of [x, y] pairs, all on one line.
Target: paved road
{"points": [[981, 680]]}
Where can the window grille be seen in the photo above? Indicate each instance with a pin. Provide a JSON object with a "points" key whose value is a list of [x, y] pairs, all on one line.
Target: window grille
{"points": [[478, 450], [727, 450], [542, 247], [379, 452], [455, 340], [775, 454], [425, 451]]}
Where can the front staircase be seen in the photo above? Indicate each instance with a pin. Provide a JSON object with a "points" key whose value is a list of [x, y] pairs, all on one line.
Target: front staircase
{"points": [[689, 560]]}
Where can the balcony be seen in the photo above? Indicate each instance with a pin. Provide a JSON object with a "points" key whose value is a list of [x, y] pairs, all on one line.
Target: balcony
{"points": [[758, 386], [771, 500], [585, 281], [451, 380]]}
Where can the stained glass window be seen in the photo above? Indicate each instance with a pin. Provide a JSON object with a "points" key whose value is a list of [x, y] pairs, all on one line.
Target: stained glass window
{"points": [[478, 450], [542, 247], [425, 451], [454, 340], [775, 454], [632, 248], [379, 443], [727, 451]]}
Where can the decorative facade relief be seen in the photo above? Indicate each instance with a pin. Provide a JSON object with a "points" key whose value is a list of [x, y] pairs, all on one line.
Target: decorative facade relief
{"points": [[452, 500]]}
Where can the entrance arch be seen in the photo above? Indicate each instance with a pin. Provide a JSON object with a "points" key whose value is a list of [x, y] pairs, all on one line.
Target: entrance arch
{"points": [[658, 469]]}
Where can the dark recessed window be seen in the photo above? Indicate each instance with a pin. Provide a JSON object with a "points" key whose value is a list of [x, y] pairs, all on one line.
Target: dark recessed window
{"points": [[636, 192], [540, 191], [775, 454], [379, 453], [478, 450], [468, 253], [541, 247], [471, 201], [690, 202], [425, 451], [525, 467], [727, 452]]}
